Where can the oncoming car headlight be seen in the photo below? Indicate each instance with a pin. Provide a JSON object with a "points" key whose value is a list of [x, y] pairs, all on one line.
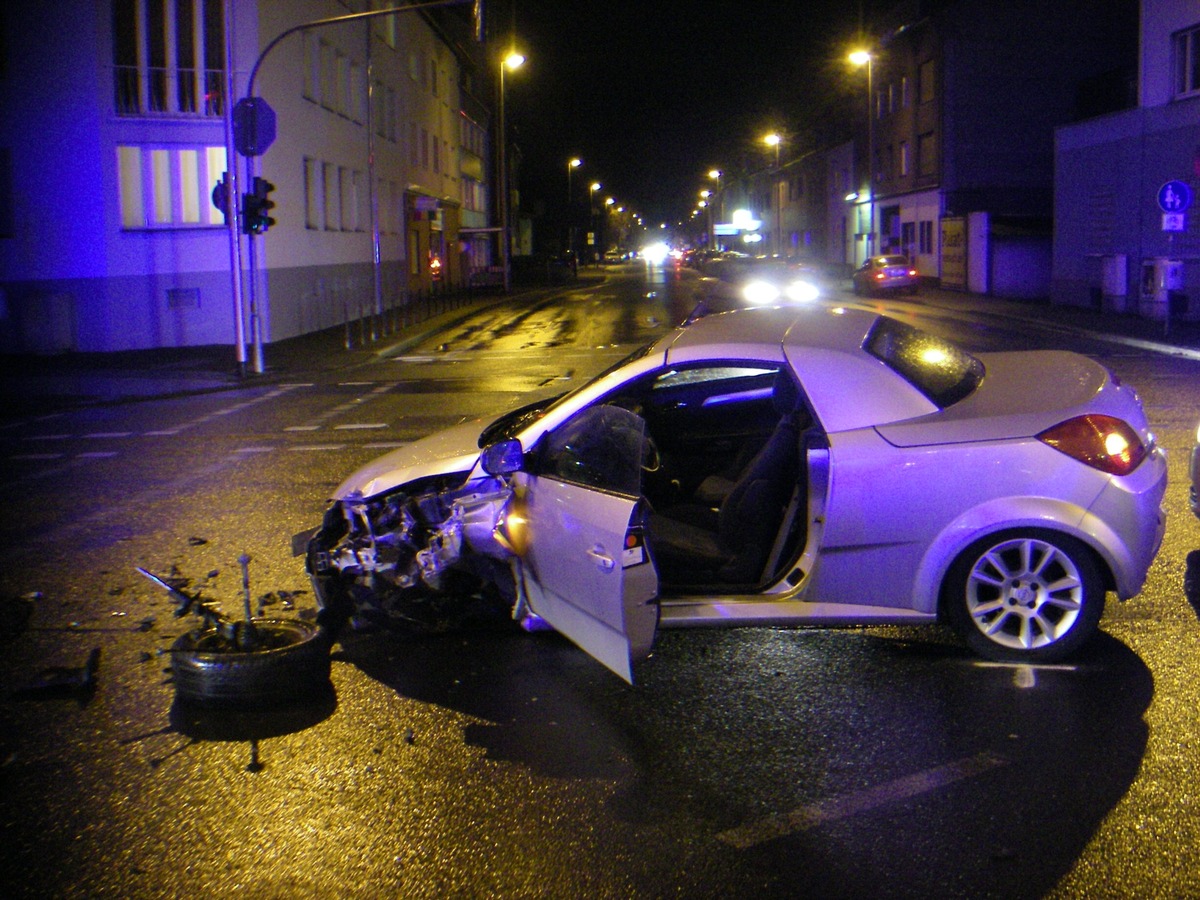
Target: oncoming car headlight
{"points": [[758, 292], [802, 291]]}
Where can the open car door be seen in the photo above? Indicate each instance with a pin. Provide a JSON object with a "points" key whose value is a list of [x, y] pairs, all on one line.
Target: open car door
{"points": [[586, 569]]}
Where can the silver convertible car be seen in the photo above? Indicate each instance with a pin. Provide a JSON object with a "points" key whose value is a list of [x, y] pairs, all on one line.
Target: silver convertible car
{"points": [[811, 465]]}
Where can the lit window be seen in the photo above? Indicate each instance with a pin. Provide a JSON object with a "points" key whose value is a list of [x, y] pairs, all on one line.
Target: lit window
{"points": [[1187, 61], [169, 187]]}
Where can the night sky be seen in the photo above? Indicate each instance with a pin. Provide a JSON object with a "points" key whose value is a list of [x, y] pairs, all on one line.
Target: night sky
{"points": [[653, 94]]}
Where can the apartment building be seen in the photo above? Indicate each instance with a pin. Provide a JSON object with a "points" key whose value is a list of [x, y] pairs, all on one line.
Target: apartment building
{"points": [[1126, 238], [117, 129]]}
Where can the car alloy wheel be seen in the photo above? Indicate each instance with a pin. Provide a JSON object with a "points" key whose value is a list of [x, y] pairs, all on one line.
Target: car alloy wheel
{"points": [[1027, 596]]}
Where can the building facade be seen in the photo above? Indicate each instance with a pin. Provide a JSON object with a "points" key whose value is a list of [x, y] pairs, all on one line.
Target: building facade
{"points": [[1125, 238], [110, 233]]}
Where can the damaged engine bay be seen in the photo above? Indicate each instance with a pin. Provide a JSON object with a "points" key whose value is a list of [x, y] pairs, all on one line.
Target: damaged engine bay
{"points": [[425, 556]]}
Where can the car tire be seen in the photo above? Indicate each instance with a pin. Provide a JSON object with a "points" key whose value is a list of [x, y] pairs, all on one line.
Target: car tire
{"points": [[1024, 596], [292, 666]]}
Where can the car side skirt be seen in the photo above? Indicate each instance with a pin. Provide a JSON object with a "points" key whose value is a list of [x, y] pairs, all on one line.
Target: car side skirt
{"points": [[732, 612]]}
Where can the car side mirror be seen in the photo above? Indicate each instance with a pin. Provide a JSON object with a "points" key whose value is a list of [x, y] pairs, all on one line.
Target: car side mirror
{"points": [[503, 458]]}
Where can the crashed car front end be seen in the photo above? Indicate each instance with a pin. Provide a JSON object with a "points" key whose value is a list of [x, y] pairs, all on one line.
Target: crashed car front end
{"points": [[418, 555]]}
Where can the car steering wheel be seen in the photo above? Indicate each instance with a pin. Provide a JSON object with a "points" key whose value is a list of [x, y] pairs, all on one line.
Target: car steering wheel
{"points": [[651, 458]]}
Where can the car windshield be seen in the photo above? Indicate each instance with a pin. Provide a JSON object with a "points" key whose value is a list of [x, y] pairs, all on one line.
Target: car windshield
{"points": [[942, 371], [512, 423]]}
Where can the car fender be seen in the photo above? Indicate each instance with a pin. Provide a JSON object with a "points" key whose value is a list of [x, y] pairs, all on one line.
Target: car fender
{"points": [[1006, 514]]}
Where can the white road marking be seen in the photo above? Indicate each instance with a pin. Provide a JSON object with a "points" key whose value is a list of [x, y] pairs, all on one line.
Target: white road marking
{"points": [[303, 428], [97, 454], [1024, 675], [108, 434], [842, 807], [254, 450], [386, 445], [316, 447], [360, 426]]}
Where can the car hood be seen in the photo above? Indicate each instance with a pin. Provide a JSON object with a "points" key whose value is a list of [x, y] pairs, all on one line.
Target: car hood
{"points": [[454, 449], [1022, 394]]}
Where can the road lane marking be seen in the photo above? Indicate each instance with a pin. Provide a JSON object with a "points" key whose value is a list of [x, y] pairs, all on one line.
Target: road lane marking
{"points": [[1024, 674], [386, 445], [108, 434], [844, 806], [316, 447], [360, 426]]}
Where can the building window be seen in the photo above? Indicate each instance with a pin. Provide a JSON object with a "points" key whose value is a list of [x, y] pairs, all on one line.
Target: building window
{"points": [[905, 98], [904, 159], [925, 85], [925, 239], [1187, 61], [331, 197], [168, 57], [314, 194], [927, 154], [169, 187]]}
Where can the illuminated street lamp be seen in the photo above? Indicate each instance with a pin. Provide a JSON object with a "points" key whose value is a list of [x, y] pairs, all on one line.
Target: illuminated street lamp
{"points": [[573, 163], [864, 58], [774, 140], [511, 62], [592, 188]]}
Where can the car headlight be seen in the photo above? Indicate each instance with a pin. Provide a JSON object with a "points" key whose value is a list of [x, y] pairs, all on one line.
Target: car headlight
{"points": [[758, 292], [802, 291]]}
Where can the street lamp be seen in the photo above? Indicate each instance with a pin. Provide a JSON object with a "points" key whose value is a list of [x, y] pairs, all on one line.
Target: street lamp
{"points": [[774, 140], [573, 163], [511, 62], [864, 58], [592, 188]]}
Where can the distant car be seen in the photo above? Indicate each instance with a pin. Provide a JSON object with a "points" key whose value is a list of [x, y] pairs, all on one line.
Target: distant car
{"points": [[798, 465], [735, 281], [886, 273]]}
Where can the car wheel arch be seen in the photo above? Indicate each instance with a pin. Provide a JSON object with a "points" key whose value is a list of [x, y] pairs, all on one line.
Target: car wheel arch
{"points": [[1008, 516]]}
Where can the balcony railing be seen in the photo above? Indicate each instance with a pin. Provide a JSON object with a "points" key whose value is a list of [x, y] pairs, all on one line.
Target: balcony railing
{"points": [[146, 91]]}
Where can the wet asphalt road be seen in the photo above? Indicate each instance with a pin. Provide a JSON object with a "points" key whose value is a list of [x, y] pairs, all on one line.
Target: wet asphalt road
{"points": [[488, 763]]}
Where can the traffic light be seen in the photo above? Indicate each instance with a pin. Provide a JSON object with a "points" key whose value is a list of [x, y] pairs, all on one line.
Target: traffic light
{"points": [[256, 207]]}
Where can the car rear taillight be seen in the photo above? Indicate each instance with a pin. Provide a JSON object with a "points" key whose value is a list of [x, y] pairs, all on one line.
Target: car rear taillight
{"points": [[1102, 442]]}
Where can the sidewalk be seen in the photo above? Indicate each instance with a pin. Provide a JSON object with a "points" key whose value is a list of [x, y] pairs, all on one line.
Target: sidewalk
{"points": [[43, 384], [30, 385]]}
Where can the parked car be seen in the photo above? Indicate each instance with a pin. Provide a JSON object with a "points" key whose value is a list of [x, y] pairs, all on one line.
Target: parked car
{"points": [[886, 273], [795, 465], [734, 281]]}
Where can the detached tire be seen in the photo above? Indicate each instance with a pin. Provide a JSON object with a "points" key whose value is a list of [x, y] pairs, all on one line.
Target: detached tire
{"points": [[292, 666]]}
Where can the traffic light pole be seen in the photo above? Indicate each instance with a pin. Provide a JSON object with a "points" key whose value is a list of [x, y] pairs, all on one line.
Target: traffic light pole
{"points": [[237, 198]]}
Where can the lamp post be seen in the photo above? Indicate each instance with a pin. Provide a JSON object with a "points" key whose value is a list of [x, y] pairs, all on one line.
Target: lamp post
{"points": [[864, 58], [715, 175], [572, 164], [511, 62], [592, 188], [774, 140]]}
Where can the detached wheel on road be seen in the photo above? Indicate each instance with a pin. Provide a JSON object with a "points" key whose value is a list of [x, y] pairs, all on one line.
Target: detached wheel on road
{"points": [[289, 665], [1031, 596]]}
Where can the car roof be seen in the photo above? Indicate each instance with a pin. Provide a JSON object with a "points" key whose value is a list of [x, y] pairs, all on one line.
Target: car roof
{"points": [[767, 329], [847, 387]]}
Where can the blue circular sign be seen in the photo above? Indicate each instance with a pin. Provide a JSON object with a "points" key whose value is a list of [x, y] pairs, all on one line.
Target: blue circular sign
{"points": [[1174, 197]]}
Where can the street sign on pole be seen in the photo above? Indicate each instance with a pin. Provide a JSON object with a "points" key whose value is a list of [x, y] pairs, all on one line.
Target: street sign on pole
{"points": [[253, 126], [1174, 197]]}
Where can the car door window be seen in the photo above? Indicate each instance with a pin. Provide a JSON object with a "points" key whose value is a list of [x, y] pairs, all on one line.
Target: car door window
{"points": [[601, 447]]}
